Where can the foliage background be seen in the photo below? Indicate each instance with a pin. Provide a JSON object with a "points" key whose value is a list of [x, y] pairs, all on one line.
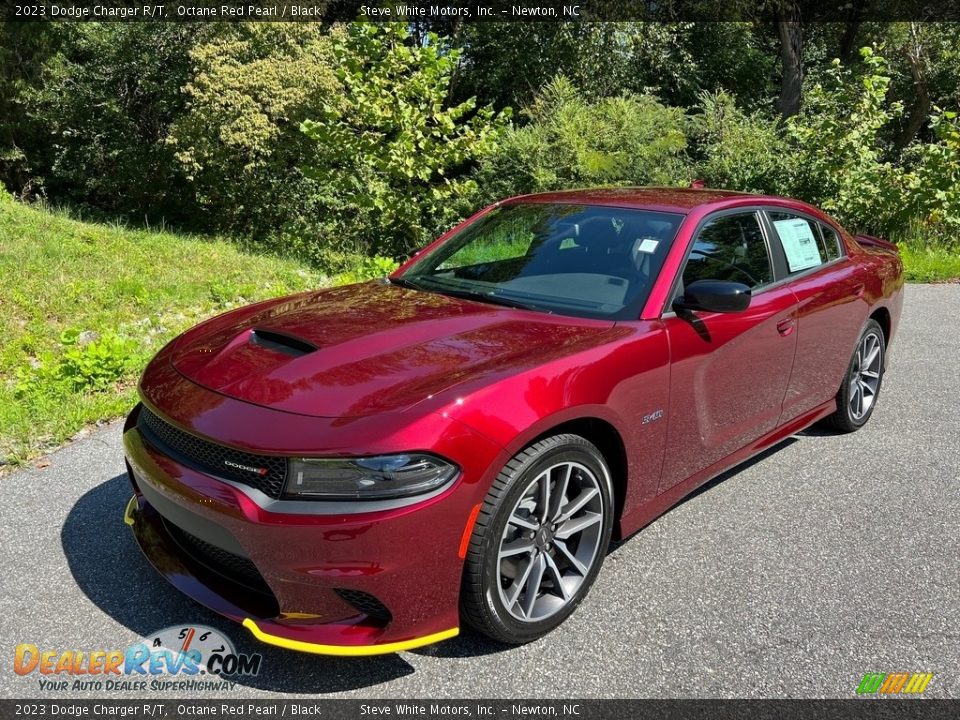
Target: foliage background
{"points": [[149, 171], [336, 141]]}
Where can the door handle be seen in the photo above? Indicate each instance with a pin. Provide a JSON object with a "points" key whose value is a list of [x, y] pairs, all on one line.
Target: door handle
{"points": [[785, 327]]}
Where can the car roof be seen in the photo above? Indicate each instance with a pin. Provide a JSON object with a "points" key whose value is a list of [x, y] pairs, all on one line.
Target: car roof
{"points": [[663, 199]]}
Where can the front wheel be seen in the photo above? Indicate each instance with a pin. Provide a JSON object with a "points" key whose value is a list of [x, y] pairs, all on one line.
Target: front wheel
{"points": [[539, 540], [861, 385]]}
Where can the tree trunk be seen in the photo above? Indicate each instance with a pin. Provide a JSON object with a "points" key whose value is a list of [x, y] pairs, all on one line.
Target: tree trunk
{"points": [[791, 56], [850, 29], [848, 41], [921, 103]]}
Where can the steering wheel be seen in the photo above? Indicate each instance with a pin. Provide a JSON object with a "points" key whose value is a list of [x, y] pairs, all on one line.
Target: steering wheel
{"points": [[727, 263]]}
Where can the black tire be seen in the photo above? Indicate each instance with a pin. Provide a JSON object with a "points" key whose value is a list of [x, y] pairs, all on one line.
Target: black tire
{"points": [[846, 419], [575, 463]]}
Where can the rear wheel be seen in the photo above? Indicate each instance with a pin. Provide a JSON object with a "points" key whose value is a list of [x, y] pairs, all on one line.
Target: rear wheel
{"points": [[539, 540], [861, 385]]}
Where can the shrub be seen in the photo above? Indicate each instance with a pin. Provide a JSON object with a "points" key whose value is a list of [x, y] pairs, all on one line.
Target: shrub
{"points": [[934, 185], [367, 268], [739, 150], [838, 138], [569, 142], [844, 163], [239, 141], [98, 364], [391, 157], [82, 366]]}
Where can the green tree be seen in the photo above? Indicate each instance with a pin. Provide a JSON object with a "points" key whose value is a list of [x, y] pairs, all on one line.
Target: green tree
{"points": [[571, 142], [510, 63], [106, 101], [507, 64], [933, 187], [239, 141], [841, 160], [925, 69], [24, 49], [391, 155]]}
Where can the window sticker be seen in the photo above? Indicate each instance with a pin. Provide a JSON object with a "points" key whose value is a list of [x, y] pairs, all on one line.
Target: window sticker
{"points": [[648, 245], [798, 242]]}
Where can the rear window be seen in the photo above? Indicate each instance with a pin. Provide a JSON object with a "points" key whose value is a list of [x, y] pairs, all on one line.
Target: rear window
{"points": [[831, 242]]}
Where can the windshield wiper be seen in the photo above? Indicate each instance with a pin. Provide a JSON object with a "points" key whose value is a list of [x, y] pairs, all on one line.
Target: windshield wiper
{"points": [[490, 297], [439, 286], [495, 299], [407, 283]]}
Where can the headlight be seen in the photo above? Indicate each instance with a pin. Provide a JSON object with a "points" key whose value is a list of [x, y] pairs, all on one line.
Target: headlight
{"points": [[384, 476]]}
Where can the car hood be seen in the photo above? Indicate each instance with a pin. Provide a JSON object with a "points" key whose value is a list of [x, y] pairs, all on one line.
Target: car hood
{"points": [[369, 348]]}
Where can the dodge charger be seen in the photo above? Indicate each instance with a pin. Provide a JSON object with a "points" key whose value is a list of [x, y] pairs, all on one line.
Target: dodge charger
{"points": [[369, 468]]}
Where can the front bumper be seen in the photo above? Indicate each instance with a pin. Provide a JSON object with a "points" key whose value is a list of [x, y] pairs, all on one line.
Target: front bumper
{"points": [[343, 584]]}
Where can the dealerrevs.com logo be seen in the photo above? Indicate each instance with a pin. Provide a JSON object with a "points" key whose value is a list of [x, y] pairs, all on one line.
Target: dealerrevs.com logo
{"points": [[181, 657], [896, 683]]}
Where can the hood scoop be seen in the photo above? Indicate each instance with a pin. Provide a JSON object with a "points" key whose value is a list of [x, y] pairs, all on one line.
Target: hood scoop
{"points": [[281, 342], [256, 351]]}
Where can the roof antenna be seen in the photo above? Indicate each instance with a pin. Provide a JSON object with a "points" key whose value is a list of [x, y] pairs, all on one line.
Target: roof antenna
{"points": [[698, 184]]}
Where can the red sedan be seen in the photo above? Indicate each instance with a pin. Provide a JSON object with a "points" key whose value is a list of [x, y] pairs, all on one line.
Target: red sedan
{"points": [[364, 469]]}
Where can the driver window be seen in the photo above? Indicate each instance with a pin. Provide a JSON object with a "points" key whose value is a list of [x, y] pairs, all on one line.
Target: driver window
{"points": [[730, 247]]}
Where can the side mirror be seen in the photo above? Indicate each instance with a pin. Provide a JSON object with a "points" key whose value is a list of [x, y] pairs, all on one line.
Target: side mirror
{"points": [[714, 296]]}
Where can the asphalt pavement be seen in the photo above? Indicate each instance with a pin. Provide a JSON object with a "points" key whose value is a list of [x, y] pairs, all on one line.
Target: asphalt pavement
{"points": [[828, 557]]}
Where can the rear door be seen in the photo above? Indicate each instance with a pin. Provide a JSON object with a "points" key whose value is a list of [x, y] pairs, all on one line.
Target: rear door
{"points": [[729, 371], [830, 306]]}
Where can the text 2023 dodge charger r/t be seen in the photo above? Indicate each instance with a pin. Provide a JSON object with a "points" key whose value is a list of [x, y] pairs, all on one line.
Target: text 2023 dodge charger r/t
{"points": [[363, 469]]}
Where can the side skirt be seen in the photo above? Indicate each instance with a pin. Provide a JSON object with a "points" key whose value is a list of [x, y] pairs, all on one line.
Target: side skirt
{"points": [[650, 511]]}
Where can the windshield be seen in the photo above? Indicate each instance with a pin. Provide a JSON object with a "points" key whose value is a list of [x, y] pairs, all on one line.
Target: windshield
{"points": [[582, 260]]}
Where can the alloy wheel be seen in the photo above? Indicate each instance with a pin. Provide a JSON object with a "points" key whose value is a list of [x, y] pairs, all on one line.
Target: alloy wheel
{"points": [[551, 540], [865, 378]]}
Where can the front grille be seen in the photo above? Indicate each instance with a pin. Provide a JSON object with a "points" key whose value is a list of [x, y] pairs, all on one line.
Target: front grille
{"points": [[212, 458], [226, 564], [365, 603]]}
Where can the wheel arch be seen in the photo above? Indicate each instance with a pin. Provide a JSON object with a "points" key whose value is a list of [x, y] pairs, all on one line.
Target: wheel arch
{"points": [[882, 316], [609, 442]]}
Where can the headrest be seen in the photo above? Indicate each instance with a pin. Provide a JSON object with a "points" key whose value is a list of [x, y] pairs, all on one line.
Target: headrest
{"points": [[599, 235]]}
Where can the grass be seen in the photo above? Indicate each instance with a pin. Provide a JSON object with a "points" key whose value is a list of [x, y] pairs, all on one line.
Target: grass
{"points": [[930, 253], [83, 306], [926, 264]]}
